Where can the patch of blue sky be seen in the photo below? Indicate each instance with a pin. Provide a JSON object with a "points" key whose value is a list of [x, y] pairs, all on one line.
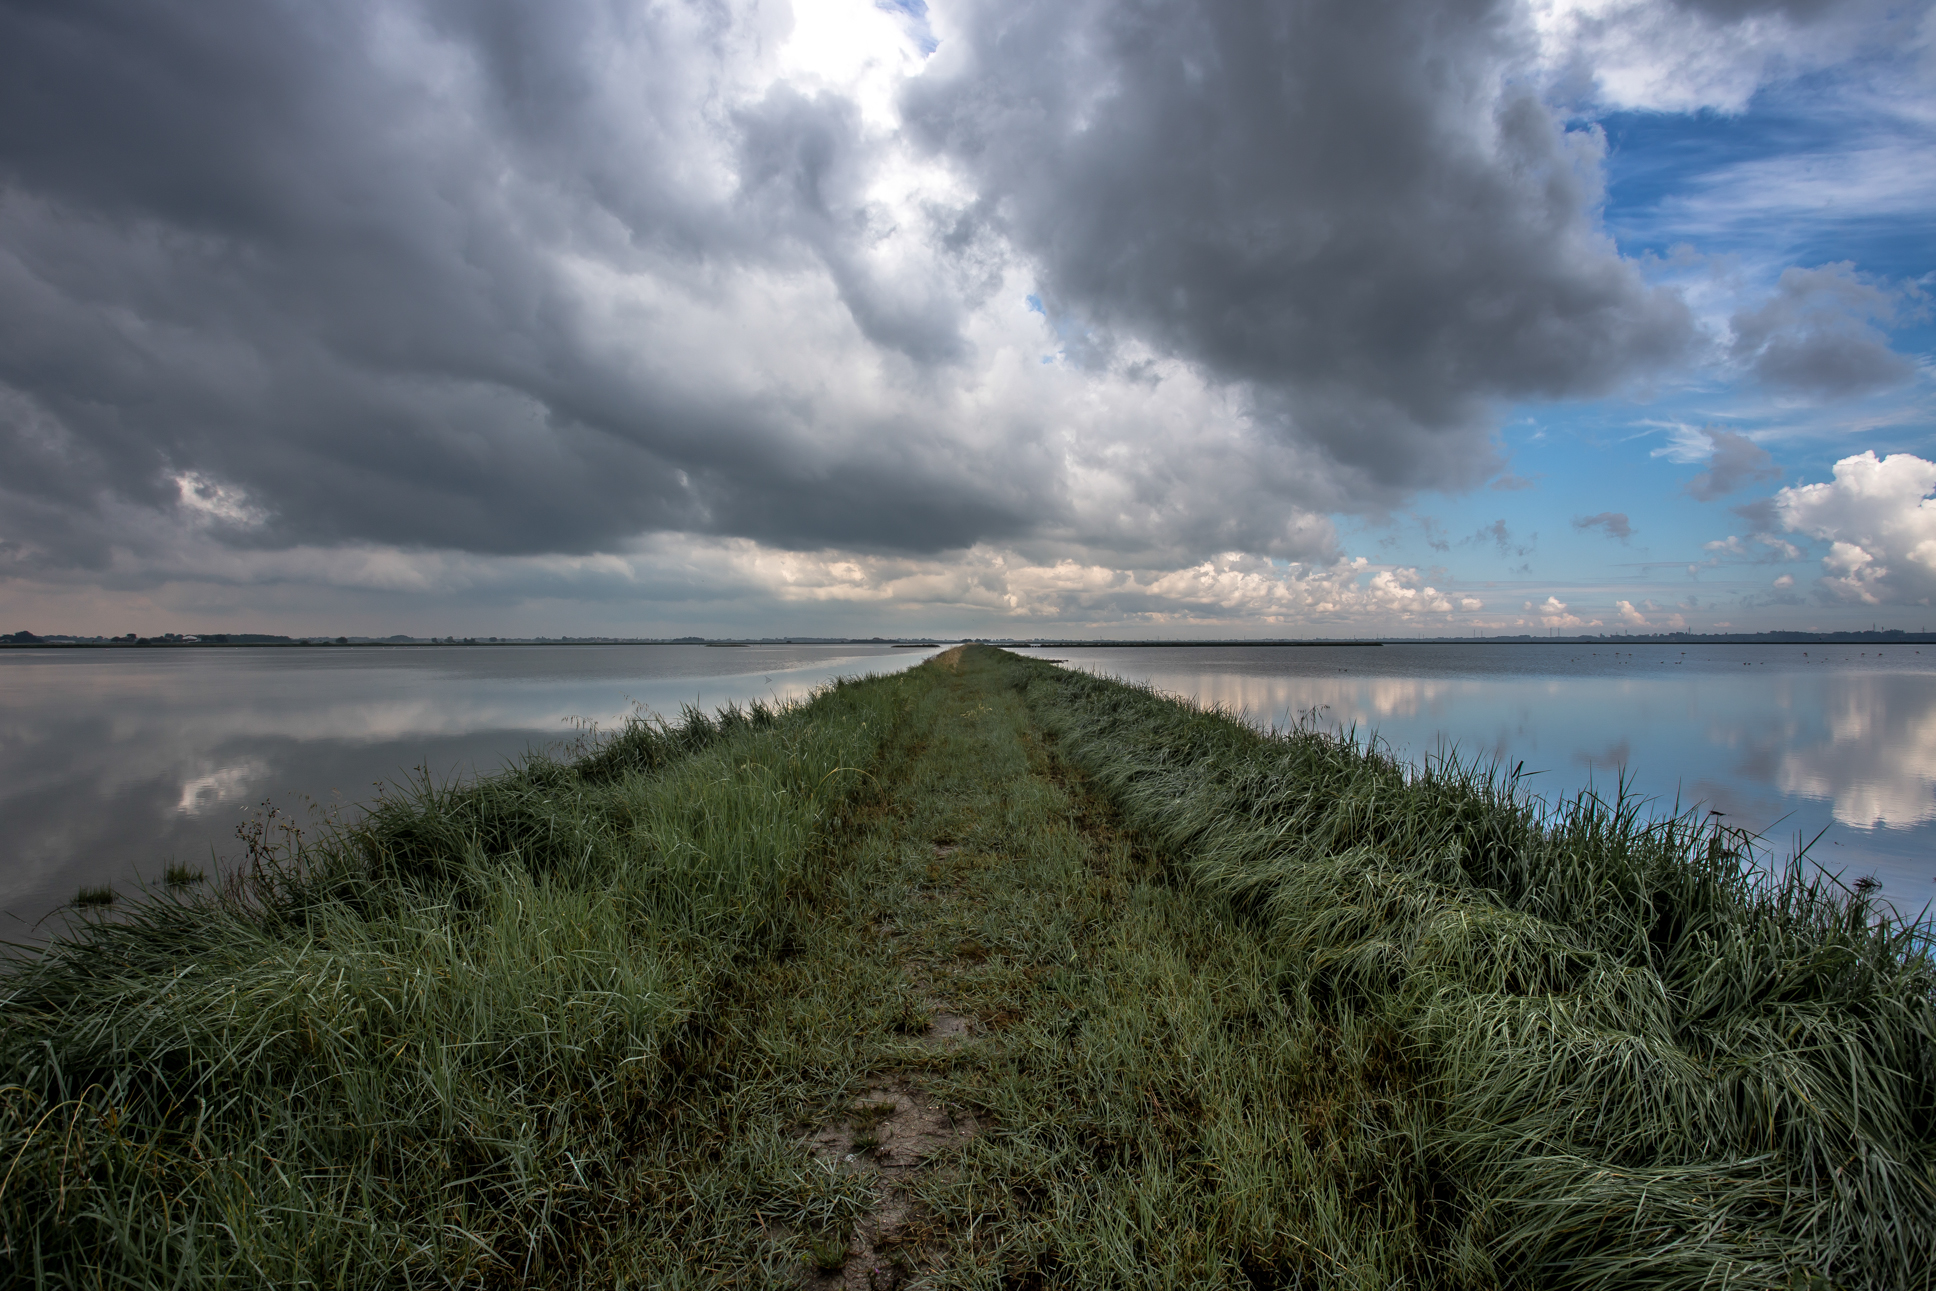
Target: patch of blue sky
{"points": [[1581, 462], [1829, 168], [1820, 169], [1805, 436], [1833, 167], [1572, 463], [914, 18]]}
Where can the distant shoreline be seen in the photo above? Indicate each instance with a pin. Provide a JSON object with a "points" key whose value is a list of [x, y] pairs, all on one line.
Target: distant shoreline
{"points": [[1893, 636], [1664, 639], [311, 643]]}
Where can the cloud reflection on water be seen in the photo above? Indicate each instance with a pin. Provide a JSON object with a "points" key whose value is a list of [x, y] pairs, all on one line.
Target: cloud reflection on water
{"points": [[1782, 744], [113, 764], [1877, 763], [225, 784]]}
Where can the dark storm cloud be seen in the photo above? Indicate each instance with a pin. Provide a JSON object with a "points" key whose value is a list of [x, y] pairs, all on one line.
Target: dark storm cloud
{"points": [[1337, 202], [306, 250], [513, 277]]}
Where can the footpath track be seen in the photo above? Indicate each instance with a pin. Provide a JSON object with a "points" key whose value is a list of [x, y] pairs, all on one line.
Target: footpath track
{"points": [[1041, 1061]]}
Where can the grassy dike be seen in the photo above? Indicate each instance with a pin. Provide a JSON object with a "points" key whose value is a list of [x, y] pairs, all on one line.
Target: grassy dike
{"points": [[986, 975]]}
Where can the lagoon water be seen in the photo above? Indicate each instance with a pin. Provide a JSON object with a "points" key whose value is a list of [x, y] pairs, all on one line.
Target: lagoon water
{"points": [[115, 762], [1790, 742]]}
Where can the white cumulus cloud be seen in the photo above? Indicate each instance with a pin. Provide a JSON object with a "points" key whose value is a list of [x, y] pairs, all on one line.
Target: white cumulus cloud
{"points": [[1880, 523]]}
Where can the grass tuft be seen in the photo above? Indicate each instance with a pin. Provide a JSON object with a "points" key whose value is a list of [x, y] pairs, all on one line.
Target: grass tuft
{"points": [[829, 1255], [1641, 1056]]}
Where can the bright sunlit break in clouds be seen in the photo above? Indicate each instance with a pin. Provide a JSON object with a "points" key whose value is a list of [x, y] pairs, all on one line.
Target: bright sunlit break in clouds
{"points": [[1159, 319]]}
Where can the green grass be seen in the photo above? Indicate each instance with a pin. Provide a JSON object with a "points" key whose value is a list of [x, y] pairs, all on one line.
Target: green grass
{"points": [[1210, 1008], [430, 1048], [1622, 1057]]}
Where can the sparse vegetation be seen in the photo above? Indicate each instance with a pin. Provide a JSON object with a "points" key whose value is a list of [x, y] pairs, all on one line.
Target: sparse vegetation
{"points": [[829, 1256], [986, 973]]}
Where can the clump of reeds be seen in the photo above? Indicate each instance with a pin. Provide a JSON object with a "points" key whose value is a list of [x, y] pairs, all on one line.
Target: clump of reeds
{"points": [[1649, 1058], [425, 1047]]}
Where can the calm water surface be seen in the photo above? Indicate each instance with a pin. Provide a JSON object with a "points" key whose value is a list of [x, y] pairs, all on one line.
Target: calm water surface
{"points": [[115, 762], [1788, 741]]}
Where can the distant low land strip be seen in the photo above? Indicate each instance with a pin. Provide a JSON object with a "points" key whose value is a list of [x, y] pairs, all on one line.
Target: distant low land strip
{"points": [[983, 974], [1887, 636], [185, 640]]}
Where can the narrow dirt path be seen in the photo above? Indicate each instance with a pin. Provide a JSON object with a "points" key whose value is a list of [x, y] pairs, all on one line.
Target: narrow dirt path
{"points": [[896, 1133], [975, 879], [1020, 1055]]}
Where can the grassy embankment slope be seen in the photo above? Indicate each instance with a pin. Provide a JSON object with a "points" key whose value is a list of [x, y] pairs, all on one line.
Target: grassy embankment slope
{"points": [[989, 974]]}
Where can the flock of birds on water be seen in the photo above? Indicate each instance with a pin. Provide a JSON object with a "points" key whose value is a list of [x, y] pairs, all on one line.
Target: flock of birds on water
{"points": [[1745, 663]]}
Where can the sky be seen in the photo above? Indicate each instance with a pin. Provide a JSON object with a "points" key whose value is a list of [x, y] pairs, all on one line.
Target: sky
{"points": [[1130, 318]]}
